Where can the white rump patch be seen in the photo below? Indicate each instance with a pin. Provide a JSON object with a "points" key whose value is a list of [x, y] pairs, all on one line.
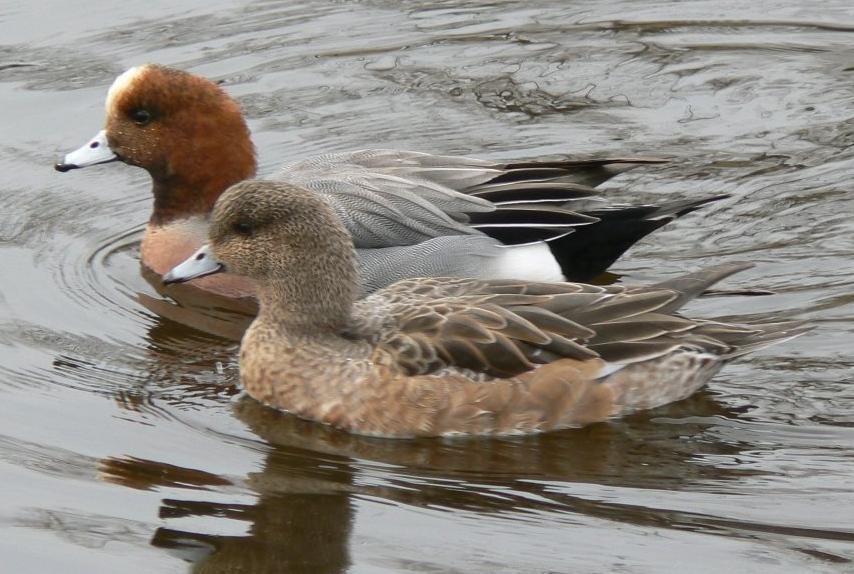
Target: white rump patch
{"points": [[122, 83], [533, 262]]}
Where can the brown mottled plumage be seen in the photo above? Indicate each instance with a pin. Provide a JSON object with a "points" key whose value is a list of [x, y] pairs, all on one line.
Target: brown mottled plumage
{"points": [[453, 356]]}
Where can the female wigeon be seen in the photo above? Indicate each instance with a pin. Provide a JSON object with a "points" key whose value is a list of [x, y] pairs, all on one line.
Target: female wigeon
{"points": [[445, 356], [410, 214]]}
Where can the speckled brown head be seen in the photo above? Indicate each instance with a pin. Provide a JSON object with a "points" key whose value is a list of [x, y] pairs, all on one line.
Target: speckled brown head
{"points": [[185, 131], [291, 243]]}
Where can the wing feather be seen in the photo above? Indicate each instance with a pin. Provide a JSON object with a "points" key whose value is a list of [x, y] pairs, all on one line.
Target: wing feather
{"points": [[392, 198]]}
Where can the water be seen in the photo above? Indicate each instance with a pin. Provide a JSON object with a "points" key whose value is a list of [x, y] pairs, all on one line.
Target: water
{"points": [[123, 445]]}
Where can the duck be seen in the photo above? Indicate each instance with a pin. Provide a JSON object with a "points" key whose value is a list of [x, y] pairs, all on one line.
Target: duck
{"points": [[409, 213], [432, 356]]}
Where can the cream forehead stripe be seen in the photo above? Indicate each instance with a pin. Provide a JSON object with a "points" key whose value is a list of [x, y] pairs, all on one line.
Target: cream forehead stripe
{"points": [[122, 83]]}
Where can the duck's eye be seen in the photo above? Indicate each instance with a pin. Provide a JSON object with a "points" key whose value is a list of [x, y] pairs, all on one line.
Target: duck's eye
{"points": [[140, 116], [242, 228]]}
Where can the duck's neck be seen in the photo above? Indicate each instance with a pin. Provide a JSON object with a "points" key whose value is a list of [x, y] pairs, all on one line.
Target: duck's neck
{"points": [[214, 158], [297, 349], [301, 309]]}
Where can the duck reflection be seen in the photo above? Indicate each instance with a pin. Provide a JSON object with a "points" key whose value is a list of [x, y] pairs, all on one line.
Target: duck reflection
{"points": [[188, 306], [300, 520], [312, 477]]}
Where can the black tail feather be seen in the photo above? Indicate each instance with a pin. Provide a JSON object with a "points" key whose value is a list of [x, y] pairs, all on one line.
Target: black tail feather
{"points": [[519, 224], [528, 216], [546, 191], [591, 249], [671, 209], [590, 172]]}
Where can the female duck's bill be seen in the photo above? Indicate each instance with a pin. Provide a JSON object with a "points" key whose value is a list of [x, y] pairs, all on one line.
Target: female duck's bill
{"points": [[95, 151], [200, 264]]}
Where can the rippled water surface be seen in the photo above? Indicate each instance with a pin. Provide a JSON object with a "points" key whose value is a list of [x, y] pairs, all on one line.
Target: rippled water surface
{"points": [[124, 446]]}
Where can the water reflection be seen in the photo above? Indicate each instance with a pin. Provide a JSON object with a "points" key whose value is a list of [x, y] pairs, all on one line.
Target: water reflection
{"points": [[301, 516]]}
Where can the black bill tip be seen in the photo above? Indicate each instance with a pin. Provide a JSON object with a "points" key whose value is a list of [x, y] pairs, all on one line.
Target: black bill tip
{"points": [[172, 278]]}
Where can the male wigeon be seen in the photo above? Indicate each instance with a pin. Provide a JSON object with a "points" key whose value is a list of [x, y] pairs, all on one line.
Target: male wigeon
{"points": [[446, 356], [410, 214]]}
